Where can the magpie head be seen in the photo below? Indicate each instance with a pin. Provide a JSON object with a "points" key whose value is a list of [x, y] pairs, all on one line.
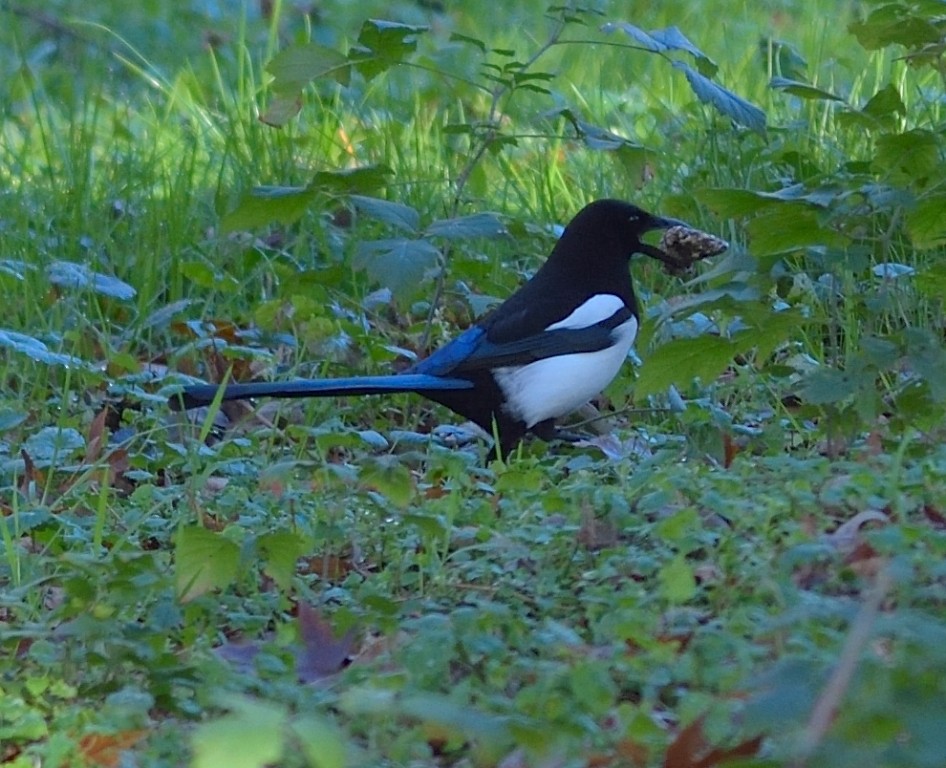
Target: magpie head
{"points": [[614, 226]]}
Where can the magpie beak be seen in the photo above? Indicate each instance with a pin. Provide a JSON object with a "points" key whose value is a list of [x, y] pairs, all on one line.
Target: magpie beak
{"points": [[550, 347]]}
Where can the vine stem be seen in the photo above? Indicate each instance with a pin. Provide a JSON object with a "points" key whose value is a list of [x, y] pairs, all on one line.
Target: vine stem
{"points": [[497, 96]]}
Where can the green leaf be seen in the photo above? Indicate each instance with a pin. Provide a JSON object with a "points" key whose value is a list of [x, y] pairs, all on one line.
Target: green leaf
{"points": [[885, 102], [465, 227], [800, 89], [486, 728], [681, 361], [390, 478], [827, 386], [636, 34], [280, 550], [593, 686], [37, 351], [51, 443], [730, 202], [252, 736], [787, 227], [350, 181], [69, 274], [677, 582], [293, 69], [396, 214], [909, 158], [382, 44], [894, 24], [925, 354], [323, 744], [282, 107], [926, 223], [10, 418], [785, 58], [457, 37], [204, 560], [728, 103], [399, 264], [674, 40], [931, 282], [264, 205]]}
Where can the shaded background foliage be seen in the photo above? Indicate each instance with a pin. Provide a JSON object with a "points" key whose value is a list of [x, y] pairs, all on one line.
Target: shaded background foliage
{"points": [[693, 586]]}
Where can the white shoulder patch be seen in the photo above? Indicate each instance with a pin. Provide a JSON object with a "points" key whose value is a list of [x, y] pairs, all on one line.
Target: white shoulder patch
{"points": [[596, 309]]}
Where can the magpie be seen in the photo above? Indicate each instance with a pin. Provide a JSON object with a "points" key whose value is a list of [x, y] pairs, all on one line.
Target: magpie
{"points": [[554, 344]]}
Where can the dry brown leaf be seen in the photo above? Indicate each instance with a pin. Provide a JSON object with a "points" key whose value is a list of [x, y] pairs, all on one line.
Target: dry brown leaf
{"points": [[692, 750], [99, 749], [97, 437], [321, 653]]}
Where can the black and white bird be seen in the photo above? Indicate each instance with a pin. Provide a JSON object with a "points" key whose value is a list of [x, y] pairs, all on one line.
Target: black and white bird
{"points": [[549, 348]]}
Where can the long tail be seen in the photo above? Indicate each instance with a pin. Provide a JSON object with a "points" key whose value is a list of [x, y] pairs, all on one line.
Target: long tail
{"points": [[203, 394]]}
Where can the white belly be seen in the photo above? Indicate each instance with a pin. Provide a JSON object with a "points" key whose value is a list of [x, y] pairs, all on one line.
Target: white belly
{"points": [[555, 386]]}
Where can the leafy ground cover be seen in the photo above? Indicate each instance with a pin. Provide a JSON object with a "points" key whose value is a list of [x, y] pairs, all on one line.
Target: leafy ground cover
{"points": [[744, 562]]}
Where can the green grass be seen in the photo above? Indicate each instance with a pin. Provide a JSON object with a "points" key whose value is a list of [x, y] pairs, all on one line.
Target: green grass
{"points": [[754, 553]]}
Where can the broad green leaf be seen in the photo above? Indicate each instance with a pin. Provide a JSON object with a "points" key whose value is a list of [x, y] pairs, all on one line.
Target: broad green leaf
{"points": [[252, 736], [69, 274], [728, 103], [677, 582], [390, 478], [827, 386], [787, 227], [323, 744], [784, 57], [729, 202], [800, 89], [399, 264], [909, 158], [885, 102], [280, 551], [54, 443], [931, 282], [464, 227], [673, 39], [593, 686], [486, 728], [926, 355], [36, 350], [9, 418], [382, 44], [636, 34], [351, 181], [633, 160], [396, 214], [433, 526], [295, 67], [681, 361], [281, 108], [264, 205], [204, 560], [892, 24]]}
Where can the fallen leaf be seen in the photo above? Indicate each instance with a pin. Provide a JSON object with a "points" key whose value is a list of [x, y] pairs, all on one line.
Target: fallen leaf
{"points": [[105, 750], [321, 653], [691, 750]]}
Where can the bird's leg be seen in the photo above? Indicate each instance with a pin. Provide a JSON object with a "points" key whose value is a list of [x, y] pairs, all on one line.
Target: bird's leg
{"points": [[549, 432]]}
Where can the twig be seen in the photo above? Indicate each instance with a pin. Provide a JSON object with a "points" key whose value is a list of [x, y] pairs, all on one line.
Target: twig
{"points": [[829, 701]]}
